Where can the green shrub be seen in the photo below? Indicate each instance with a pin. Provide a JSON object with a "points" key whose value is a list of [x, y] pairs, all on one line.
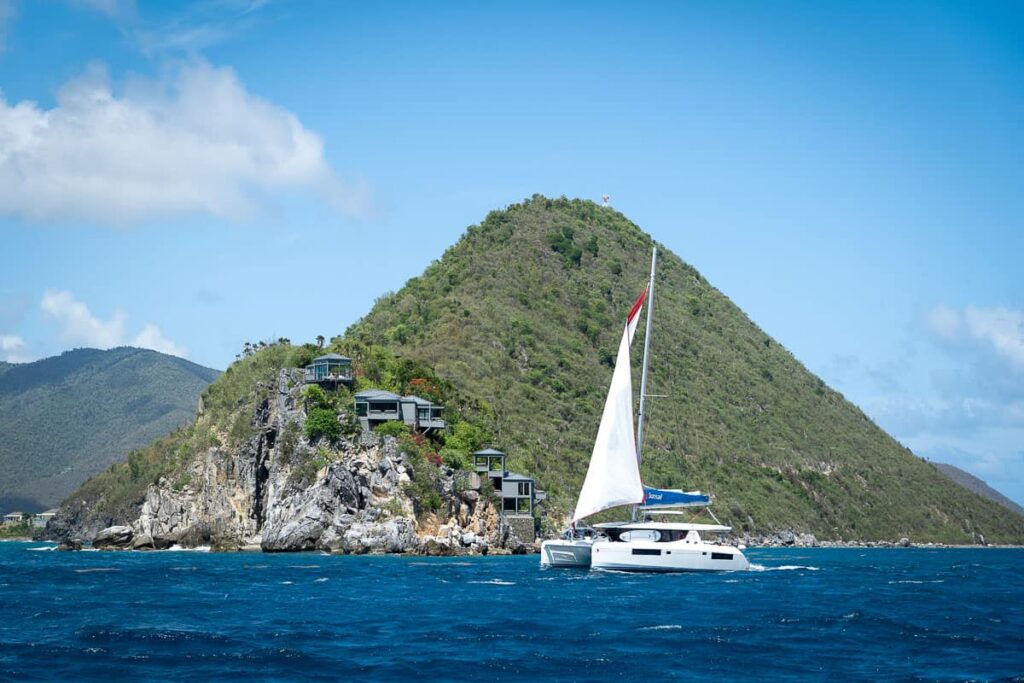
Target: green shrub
{"points": [[391, 428], [453, 458], [322, 422]]}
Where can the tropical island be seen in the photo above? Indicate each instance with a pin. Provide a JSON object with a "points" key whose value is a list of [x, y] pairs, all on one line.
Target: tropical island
{"points": [[405, 433]]}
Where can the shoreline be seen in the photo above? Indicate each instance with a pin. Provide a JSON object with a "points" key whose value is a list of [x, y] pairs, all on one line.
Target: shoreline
{"points": [[824, 545]]}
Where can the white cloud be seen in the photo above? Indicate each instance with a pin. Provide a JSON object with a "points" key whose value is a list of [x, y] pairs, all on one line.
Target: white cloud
{"points": [[1000, 328], [192, 141], [152, 338], [79, 327], [13, 349]]}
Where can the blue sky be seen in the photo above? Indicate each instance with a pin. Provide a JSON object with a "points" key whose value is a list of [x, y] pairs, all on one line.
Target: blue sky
{"points": [[189, 176]]}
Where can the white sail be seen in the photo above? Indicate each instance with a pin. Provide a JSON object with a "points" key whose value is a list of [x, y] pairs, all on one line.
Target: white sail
{"points": [[613, 478]]}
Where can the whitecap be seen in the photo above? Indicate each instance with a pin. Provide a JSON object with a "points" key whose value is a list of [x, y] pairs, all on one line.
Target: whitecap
{"points": [[304, 566], [782, 568], [43, 547], [663, 627], [198, 549], [97, 569], [495, 582], [321, 579], [287, 583]]}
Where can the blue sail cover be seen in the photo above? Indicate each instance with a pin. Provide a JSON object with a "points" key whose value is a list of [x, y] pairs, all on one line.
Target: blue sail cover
{"points": [[663, 498]]}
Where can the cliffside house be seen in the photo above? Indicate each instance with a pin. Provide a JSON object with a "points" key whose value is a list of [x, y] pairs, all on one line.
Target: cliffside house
{"points": [[40, 520], [331, 369], [375, 406], [519, 493], [14, 518]]}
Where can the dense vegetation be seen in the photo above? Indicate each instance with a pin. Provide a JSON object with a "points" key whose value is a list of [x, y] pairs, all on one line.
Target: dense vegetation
{"points": [[521, 318], [514, 331], [67, 417], [226, 414]]}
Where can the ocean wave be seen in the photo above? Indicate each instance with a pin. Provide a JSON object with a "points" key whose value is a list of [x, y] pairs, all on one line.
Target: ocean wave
{"points": [[91, 570], [198, 549], [783, 568], [495, 582], [43, 547], [663, 627], [321, 579]]}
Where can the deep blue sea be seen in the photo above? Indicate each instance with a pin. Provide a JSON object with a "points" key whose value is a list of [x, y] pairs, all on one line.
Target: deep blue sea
{"points": [[880, 614]]}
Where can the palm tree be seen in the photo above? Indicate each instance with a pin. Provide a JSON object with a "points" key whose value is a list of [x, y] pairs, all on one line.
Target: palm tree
{"points": [[320, 341]]}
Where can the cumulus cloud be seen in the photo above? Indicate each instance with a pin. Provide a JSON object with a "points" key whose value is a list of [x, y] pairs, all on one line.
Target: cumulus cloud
{"points": [[1002, 329], [79, 327], [193, 141], [13, 349], [999, 331], [152, 338]]}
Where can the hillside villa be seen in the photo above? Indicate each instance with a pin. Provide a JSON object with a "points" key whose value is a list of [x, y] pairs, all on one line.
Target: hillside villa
{"points": [[331, 369], [14, 517], [376, 406], [519, 493]]}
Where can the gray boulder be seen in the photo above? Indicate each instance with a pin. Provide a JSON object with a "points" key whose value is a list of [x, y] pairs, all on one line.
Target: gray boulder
{"points": [[114, 538]]}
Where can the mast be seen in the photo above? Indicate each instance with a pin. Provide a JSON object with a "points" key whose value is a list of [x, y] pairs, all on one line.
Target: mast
{"points": [[643, 375], [647, 349]]}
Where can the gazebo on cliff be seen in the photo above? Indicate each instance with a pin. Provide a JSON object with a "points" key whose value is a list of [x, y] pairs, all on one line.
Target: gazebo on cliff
{"points": [[331, 369]]}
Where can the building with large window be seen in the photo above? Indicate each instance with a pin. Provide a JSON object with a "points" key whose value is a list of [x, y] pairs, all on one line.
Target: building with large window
{"points": [[331, 369], [375, 406], [518, 493]]}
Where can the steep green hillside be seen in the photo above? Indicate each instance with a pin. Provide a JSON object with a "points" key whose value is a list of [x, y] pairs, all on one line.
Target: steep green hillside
{"points": [[67, 417], [522, 316]]}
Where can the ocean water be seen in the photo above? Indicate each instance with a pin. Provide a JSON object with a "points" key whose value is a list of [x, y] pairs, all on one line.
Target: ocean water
{"points": [[804, 614]]}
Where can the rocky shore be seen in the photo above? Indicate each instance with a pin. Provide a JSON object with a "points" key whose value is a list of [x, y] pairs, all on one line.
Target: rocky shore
{"points": [[278, 492]]}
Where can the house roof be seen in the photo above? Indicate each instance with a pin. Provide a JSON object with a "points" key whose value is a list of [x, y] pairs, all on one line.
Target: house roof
{"points": [[332, 356], [417, 400], [515, 476], [12, 514], [51, 511], [489, 451], [377, 395]]}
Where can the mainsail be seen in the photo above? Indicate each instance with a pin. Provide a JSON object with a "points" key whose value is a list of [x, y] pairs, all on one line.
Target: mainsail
{"points": [[613, 478]]}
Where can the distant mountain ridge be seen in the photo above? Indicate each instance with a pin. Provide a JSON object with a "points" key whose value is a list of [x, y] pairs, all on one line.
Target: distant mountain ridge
{"points": [[65, 418], [973, 483]]}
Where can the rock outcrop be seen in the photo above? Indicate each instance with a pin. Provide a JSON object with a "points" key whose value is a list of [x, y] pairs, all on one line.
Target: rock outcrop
{"points": [[114, 538], [287, 494]]}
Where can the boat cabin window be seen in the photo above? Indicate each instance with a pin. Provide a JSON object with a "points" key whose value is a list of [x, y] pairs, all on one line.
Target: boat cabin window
{"points": [[640, 535]]}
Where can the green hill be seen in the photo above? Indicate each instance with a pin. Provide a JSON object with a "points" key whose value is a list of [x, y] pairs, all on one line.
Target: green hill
{"points": [[515, 329], [64, 418], [523, 315]]}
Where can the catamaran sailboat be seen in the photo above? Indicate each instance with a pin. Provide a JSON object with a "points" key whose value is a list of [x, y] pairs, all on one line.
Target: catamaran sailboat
{"points": [[613, 480]]}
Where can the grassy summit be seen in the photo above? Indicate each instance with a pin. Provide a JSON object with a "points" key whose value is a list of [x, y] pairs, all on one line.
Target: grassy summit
{"points": [[523, 315]]}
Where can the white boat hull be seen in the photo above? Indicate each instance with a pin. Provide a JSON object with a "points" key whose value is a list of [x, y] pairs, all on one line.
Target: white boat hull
{"points": [[562, 553], [678, 556]]}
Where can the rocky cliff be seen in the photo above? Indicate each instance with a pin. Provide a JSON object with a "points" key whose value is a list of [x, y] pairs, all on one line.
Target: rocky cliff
{"points": [[278, 491]]}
